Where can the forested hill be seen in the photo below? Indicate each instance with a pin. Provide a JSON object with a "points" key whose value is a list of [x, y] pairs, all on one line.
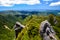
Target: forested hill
{"points": [[46, 12], [6, 25], [32, 21]]}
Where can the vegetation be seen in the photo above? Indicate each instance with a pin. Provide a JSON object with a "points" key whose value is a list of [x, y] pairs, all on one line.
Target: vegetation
{"points": [[31, 32], [32, 23]]}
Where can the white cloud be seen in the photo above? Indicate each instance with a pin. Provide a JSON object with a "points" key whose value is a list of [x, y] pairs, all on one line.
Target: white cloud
{"points": [[55, 4], [13, 2]]}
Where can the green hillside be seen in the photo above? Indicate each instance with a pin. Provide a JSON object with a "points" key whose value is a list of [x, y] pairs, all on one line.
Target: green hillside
{"points": [[32, 23], [31, 32], [9, 21]]}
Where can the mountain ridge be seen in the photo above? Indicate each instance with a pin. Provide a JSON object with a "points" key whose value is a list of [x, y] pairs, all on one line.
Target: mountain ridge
{"points": [[13, 12]]}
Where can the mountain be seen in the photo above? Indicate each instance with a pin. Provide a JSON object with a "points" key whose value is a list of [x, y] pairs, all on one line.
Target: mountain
{"points": [[37, 12], [32, 22]]}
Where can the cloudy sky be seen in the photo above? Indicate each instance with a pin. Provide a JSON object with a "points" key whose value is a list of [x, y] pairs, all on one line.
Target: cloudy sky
{"points": [[29, 5]]}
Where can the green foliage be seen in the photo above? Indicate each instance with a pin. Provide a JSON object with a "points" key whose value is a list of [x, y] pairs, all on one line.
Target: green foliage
{"points": [[57, 29], [51, 19], [32, 23], [33, 31], [58, 21], [30, 32], [9, 21]]}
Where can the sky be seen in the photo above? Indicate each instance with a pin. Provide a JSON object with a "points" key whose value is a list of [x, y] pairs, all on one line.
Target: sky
{"points": [[29, 5]]}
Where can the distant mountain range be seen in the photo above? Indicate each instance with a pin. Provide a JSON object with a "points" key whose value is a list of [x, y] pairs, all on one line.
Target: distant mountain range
{"points": [[44, 12]]}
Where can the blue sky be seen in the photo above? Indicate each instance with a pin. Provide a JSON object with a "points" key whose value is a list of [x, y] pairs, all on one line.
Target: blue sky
{"points": [[29, 5]]}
